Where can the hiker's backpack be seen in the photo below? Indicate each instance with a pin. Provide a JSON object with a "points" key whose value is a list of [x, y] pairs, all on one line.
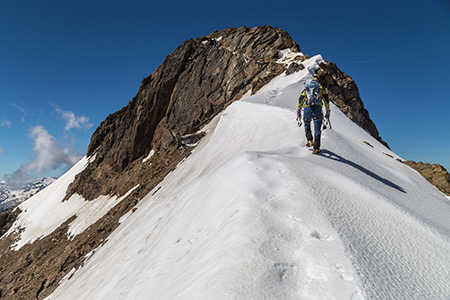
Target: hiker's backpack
{"points": [[312, 92]]}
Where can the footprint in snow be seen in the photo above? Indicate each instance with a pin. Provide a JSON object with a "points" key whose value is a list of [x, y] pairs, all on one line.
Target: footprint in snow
{"points": [[340, 270], [295, 219], [322, 236]]}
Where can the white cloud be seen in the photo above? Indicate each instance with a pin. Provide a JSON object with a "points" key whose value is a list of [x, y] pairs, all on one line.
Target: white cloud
{"points": [[73, 121], [50, 155], [6, 123], [1, 150], [19, 108]]}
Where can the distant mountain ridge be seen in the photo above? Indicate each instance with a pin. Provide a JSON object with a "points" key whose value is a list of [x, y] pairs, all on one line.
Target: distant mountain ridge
{"points": [[11, 197]]}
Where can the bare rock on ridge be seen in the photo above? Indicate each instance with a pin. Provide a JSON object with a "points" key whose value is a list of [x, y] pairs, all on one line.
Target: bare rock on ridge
{"points": [[344, 93], [436, 174], [7, 218], [194, 83]]}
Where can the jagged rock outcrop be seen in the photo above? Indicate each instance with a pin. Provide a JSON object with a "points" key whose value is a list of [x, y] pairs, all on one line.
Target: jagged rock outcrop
{"points": [[436, 174], [344, 93], [294, 67], [192, 84], [7, 218]]}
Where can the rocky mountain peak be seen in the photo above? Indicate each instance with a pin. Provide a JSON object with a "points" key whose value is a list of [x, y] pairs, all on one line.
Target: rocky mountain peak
{"points": [[194, 83]]}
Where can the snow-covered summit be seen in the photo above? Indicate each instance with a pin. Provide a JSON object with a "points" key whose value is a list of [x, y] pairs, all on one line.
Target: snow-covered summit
{"points": [[251, 214]]}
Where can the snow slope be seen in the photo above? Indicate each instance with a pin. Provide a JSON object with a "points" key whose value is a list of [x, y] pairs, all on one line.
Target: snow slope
{"points": [[46, 211], [251, 214]]}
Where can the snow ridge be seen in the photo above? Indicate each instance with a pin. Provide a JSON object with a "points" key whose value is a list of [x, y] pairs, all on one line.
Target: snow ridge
{"points": [[251, 214]]}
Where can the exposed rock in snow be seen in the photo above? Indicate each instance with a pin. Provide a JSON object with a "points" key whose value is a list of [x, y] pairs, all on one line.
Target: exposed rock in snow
{"points": [[7, 218], [344, 93], [436, 174]]}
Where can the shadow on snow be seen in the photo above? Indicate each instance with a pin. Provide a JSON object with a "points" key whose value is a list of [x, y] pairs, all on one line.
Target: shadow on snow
{"points": [[335, 157]]}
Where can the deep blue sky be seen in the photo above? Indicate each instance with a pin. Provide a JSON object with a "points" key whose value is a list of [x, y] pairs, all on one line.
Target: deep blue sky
{"points": [[66, 65]]}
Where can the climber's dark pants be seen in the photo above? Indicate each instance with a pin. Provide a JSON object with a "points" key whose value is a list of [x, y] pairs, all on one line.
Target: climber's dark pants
{"points": [[313, 113]]}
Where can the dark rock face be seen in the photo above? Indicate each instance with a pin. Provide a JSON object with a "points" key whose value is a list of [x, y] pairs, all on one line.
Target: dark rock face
{"points": [[436, 174], [294, 67], [344, 93], [7, 218], [194, 83]]}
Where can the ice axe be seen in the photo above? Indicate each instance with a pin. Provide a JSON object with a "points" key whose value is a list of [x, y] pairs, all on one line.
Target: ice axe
{"points": [[327, 122]]}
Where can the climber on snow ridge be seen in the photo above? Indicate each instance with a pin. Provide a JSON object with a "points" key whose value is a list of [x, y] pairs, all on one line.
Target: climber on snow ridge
{"points": [[311, 100]]}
